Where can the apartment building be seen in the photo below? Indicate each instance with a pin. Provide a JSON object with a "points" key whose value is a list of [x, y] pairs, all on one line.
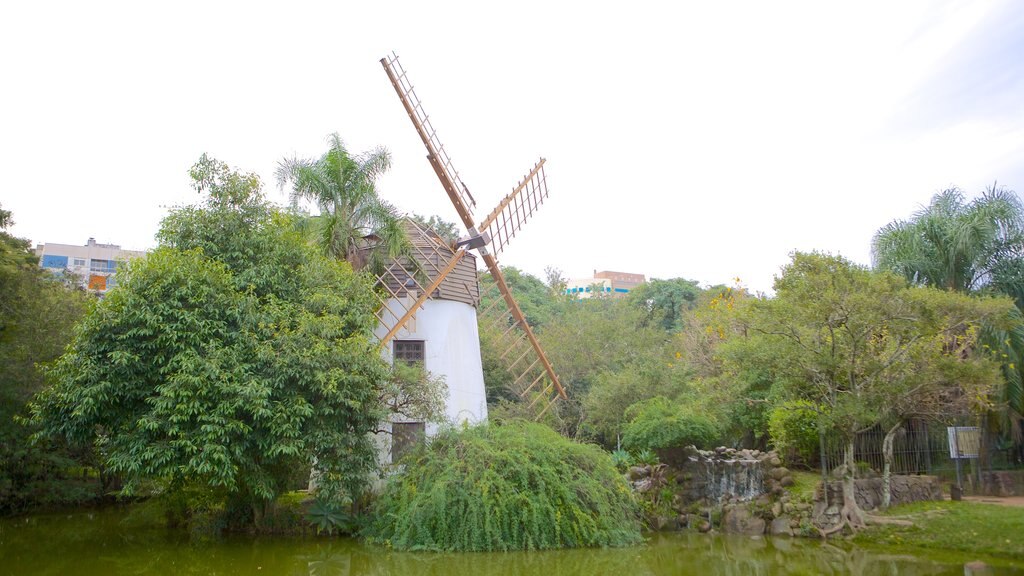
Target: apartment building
{"points": [[605, 282], [94, 264]]}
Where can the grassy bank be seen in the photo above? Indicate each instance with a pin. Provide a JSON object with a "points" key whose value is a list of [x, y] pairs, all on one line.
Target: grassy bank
{"points": [[984, 529]]}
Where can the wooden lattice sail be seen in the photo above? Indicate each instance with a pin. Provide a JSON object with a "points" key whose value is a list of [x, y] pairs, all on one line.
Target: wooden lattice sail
{"points": [[533, 376]]}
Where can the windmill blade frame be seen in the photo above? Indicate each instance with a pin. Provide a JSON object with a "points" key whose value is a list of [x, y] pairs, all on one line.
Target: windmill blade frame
{"points": [[498, 228]]}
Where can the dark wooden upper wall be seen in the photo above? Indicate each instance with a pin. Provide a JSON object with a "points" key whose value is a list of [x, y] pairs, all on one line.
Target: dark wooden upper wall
{"points": [[433, 254]]}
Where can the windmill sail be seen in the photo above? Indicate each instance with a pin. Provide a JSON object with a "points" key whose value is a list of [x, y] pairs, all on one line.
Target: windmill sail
{"points": [[534, 376]]}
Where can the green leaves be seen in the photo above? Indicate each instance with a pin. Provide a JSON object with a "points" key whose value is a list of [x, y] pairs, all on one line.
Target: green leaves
{"points": [[862, 346], [510, 486], [233, 356]]}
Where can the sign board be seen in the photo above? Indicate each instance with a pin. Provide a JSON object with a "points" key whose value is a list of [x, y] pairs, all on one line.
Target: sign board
{"points": [[964, 441]]}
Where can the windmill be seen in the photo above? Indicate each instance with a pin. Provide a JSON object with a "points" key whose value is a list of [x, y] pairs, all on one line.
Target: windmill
{"points": [[533, 377]]}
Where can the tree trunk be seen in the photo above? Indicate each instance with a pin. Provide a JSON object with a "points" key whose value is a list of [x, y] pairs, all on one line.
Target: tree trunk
{"points": [[887, 466], [851, 514]]}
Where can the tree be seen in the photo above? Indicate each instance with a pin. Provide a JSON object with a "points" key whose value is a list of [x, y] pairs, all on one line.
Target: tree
{"points": [[37, 312], [342, 185], [507, 485], [665, 301], [957, 245], [970, 247], [658, 424], [232, 357], [854, 344]]}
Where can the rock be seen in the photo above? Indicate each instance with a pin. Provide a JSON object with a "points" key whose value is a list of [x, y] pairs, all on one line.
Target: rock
{"points": [[704, 526], [776, 509], [780, 527], [977, 568], [787, 481], [775, 461], [638, 472], [787, 508], [683, 521], [739, 520], [779, 473]]}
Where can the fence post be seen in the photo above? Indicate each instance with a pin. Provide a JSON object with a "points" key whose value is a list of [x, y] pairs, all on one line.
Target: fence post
{"points": [[824, 465]]}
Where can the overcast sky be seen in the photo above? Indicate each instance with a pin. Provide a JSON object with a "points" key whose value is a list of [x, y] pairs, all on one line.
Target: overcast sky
{"points": [[704, 140]]}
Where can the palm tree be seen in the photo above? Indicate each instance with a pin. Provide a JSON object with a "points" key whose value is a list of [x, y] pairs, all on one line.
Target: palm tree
{"points": [[342, 185], [954, 244], [971, 247]]}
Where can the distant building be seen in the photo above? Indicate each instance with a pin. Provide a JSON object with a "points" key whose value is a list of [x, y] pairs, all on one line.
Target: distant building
{"points": [[604, 282], [94, 264]]}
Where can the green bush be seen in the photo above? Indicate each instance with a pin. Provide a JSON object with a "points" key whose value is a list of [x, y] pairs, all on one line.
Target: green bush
{"points": [[509, 486], [660, 423], [793, 427]]}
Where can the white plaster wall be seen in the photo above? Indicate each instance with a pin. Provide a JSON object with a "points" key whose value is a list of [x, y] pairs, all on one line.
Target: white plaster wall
{"points": [[451, 349]]}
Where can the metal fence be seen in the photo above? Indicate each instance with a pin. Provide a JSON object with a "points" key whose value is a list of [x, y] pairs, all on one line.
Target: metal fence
{"points": [[920, 448]]}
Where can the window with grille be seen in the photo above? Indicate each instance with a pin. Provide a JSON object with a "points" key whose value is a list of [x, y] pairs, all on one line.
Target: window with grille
{"points": [[409, 351], [405, 436]]}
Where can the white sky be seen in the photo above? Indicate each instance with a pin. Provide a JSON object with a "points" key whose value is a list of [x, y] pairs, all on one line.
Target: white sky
{"points": [[703, 140]]}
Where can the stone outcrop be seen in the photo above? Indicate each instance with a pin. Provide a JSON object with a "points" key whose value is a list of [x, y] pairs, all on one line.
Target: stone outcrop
{"points": [[1003, 483], [736, 491], [868, 492]]}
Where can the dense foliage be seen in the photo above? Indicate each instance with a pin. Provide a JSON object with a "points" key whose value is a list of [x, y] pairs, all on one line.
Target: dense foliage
{"points": [[861, 347], [659, 423], [343, 187], [507, 486], [233, 357], [37, 310], [975, 247]]}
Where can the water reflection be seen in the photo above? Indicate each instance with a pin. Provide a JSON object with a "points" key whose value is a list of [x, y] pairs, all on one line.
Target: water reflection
{"points": [[101, 544]]}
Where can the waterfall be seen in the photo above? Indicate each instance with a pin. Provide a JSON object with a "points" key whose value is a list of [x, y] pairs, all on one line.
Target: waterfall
{"points": [[738, 479]]}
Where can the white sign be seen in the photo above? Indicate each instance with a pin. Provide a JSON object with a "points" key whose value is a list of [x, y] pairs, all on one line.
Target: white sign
{"points": [[964, 441]]}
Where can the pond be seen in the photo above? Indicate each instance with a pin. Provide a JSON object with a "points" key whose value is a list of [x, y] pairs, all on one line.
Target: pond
{"points": [[102, 543]]}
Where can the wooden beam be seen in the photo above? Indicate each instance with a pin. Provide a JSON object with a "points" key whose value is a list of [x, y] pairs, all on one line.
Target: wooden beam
{"points": [[517, 314], [423, 297]]}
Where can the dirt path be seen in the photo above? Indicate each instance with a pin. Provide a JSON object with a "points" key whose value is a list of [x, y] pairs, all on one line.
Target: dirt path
{"points": [[1017, 501]]}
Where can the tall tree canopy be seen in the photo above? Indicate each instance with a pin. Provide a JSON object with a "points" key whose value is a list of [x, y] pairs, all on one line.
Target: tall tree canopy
{"points": [[971, 247], [665, 301], [37, 311], [958, 244], [343, 187], [855, 344], [234, 356]]}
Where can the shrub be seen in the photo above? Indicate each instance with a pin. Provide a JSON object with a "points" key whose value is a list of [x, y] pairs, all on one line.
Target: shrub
{"points": [[660, 423], [793, 427], [510, 486]]}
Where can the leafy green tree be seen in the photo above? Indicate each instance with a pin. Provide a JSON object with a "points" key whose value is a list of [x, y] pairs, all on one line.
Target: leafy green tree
{"points": [[233, 357], [972, 246], [665, 301], [659, 423], [508, 485], [37, 312], [856, 344], [342, 185], [956, 244], [605, 404]]}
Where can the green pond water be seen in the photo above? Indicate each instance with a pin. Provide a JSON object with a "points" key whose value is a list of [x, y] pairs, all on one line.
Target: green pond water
{"points": [[102, 543]]}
